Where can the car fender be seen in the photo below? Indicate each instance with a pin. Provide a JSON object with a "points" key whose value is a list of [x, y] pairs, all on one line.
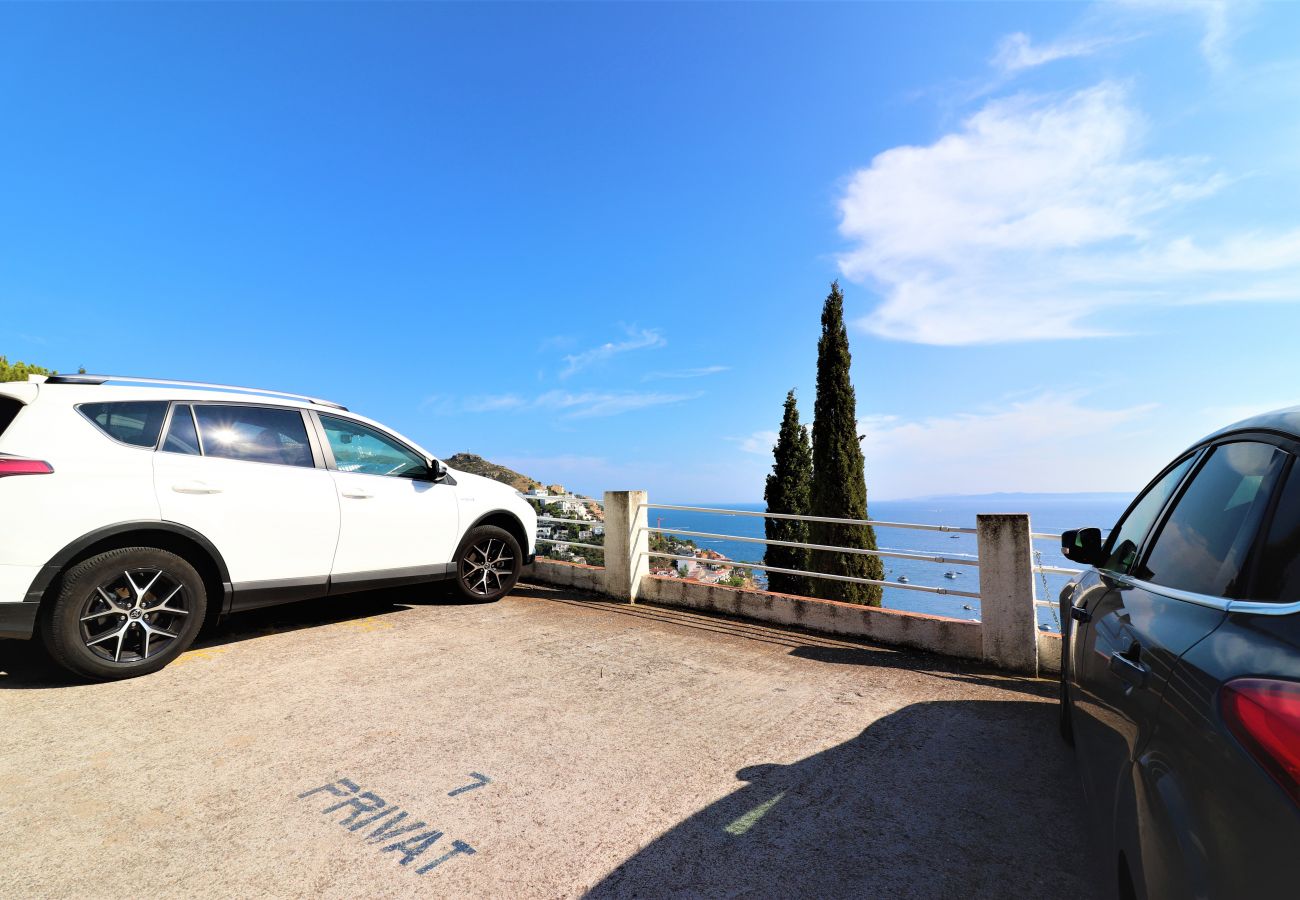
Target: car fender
{"points": [[498, 514], [57, 563]]}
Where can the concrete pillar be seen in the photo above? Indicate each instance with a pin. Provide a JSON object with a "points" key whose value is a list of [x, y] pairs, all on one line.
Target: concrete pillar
{"points": [[1008, 618], [626, 543]]}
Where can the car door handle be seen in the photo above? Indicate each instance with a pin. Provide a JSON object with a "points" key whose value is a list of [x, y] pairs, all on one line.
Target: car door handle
{"points": [[195, 487], [357, 495], [1128, 669]]}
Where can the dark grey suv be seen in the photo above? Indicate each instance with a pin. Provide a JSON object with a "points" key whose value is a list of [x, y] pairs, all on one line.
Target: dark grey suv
{"points": [[1180, 681]]}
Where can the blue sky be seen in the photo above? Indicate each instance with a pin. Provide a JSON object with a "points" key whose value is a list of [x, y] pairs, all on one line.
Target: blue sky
{"points": [[592, 241]]}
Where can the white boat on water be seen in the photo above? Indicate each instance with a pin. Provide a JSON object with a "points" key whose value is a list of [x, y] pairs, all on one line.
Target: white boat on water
{"points": [[949, 574], [903, 579]]}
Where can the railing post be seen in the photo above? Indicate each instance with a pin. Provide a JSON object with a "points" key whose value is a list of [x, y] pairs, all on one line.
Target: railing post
{"points": [[1008, 617], [626, 543]]}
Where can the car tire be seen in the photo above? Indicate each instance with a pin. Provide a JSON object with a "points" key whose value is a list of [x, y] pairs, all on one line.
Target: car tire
{"points": [[124, 613], [488, 564]]}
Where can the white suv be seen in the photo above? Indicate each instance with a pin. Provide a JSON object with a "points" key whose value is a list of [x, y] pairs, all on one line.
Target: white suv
{"points": [[137, 509]]}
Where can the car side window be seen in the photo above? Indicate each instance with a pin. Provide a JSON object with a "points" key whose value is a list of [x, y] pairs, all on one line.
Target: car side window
{"points": [[1129, 533], [135, 423], [181, 435], [1202, 545], [254, 434], [1277, 575], [369, 452]]}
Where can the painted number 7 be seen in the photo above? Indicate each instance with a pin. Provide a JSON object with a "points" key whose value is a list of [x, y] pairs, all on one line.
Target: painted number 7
{"points": [[479, 781]]}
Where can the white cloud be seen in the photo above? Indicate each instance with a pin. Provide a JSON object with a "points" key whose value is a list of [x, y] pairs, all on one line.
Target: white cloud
{"points": [[1040, 442], [638, 339], [1047, 442], [1118, 21], [1037, 215], [569, 404], [760, 442], [492, 403], [685, 373], [1017, 52], [1218, 20], [593, 404]]}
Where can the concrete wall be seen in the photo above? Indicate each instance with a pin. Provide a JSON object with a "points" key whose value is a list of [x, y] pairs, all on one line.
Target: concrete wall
{"points": [[952, 637], [1049, 654], [566, 574]]}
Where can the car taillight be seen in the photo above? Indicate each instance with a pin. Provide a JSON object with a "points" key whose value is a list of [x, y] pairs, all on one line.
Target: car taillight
{"points": [[11, 466], [1265, 716]]}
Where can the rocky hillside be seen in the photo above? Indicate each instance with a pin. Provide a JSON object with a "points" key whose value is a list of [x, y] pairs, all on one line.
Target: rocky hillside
{"points": [[477, 465]]}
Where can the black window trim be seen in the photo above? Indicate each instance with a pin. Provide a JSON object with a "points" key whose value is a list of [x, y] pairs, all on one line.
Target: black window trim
{"points": [[332, 464], [1197, 455], [10, 412], [99, 430], [1265, 527], [167, 427]]}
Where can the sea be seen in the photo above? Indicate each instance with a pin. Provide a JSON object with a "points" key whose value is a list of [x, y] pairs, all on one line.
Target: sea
{"points": [[1048, 513]]}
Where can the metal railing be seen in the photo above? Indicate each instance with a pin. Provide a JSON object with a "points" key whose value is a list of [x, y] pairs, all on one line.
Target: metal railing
{"points": [[571, 544], [559, 498], [1042, 570], [768, 515], [964, 559], [766, 568], [1051, 570], [1057, 570], [549, 499]]}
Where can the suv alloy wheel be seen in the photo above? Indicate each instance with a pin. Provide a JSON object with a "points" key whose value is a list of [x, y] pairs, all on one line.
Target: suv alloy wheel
{"points": [[124, 613], [488, 563]]}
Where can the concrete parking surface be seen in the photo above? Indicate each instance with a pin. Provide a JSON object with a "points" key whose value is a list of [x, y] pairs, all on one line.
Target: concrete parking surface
{"points": [[550, 745]]}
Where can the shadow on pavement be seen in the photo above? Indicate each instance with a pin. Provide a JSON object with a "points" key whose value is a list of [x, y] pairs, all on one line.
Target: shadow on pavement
{"points": [[25, 664], [962, 799], [802, 644], [952, 670]]}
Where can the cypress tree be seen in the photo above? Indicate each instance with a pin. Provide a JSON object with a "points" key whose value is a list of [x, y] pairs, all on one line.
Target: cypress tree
{"points": [[788, 491], [839, 488]]}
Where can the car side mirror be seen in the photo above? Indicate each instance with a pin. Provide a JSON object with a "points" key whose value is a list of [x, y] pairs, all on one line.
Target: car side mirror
{"points": [[437, 472], [1083, 545]]}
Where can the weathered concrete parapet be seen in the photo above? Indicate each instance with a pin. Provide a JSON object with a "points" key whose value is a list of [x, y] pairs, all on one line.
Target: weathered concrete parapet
{"points": [[626, 543], [1008, 619], [567, 574], [1049, 654], [952, 637]]}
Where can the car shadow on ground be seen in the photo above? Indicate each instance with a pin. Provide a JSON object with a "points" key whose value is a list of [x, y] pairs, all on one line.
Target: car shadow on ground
{"points": [[25, 664], [962, 799]]}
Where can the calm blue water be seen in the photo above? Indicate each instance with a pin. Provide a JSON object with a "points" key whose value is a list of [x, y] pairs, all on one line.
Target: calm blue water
{"points": [[1046, 514]]}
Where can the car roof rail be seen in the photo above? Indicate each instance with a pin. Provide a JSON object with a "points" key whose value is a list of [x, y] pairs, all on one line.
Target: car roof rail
{"points": [[169, 382]]}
